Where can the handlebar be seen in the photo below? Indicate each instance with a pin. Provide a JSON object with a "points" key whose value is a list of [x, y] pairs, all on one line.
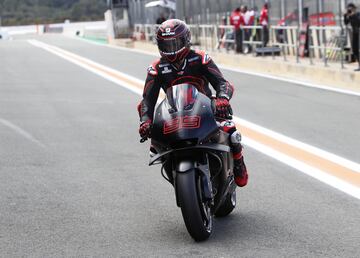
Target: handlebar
{"points": [[229, 116]]}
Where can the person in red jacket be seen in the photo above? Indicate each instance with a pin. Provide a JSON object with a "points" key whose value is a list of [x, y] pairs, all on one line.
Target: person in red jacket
{"points": [[237, 20], [180, 64], [264, 21]]}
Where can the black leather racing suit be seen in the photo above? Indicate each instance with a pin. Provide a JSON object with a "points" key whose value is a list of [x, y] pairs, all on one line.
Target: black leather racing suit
{"points": [[198, 69]]}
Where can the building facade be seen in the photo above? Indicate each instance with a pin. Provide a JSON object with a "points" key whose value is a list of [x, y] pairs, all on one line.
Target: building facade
{"points": [[212, 11]]}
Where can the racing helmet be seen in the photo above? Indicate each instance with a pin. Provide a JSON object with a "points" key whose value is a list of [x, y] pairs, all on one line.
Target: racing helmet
{"points": [[173, 39]]}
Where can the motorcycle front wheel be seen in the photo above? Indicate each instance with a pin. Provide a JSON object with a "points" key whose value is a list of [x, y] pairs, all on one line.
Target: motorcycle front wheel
{"points": [[195, 210]]}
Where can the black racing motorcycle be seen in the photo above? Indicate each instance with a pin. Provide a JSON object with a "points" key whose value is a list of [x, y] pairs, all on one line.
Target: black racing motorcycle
{"points": [[195, 157]]}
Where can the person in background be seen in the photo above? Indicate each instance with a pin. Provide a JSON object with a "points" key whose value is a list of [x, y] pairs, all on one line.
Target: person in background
{"points": [[161, 19], [264, 21], [237, 20], [256, 33], [353, 18], [249, 20], [222, 33]]}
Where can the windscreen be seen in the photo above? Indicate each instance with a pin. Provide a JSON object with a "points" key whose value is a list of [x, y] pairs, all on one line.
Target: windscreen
{"points": [[181, 97]]}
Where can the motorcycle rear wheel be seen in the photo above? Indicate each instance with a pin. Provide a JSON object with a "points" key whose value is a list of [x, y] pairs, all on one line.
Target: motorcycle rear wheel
{"points": [[195, 211]]}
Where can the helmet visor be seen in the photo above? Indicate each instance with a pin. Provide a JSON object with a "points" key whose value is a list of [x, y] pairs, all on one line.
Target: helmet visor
{"points": [[171, 46]]}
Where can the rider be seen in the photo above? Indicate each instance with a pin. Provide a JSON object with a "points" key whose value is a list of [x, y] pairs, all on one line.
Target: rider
{"points": [[180, 64]]}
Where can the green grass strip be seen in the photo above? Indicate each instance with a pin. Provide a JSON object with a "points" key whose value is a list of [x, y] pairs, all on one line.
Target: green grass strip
{"points": [[96, 39]]}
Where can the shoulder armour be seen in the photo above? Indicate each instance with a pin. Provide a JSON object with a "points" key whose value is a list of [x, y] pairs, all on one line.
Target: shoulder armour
{"points": [[153, 68], [205, 58]]}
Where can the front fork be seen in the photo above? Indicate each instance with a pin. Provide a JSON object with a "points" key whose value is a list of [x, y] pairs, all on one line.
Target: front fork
{"points": [[202, 170]]}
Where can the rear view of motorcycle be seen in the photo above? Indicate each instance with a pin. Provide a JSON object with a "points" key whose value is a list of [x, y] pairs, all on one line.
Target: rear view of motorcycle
{"points": [[195, 158]]}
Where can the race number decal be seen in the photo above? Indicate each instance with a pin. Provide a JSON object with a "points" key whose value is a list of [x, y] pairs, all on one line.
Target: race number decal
{"points": [[186, 122]]}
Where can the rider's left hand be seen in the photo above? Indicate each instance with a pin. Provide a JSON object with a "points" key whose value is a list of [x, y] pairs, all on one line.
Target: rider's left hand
{"points": [[223, 108]]}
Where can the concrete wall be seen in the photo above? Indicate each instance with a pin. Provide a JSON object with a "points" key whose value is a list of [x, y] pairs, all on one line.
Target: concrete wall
{"points": [[96, 28], [16, 30]]}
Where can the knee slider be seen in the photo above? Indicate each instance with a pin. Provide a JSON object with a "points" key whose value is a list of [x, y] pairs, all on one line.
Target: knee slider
{"points": [[235, 137], [228, 126]]}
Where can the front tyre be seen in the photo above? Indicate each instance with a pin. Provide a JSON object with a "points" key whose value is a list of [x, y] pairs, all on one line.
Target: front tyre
{"points": [[195, 211]]}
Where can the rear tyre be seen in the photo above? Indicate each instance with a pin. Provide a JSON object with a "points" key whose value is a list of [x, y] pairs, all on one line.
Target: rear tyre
{"points": [[195, 211], [228, 206]]}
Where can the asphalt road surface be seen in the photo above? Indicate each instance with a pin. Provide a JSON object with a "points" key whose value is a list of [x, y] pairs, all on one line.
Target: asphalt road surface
{"points": [[74, 180]]}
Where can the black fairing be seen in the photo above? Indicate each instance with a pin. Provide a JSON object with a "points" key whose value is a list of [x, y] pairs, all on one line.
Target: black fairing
{"points": [[167, 111], [186, 147]]}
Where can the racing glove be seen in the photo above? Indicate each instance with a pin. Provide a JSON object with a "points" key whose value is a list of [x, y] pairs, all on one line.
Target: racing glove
{"points": [[223, 108], [145, 129]]}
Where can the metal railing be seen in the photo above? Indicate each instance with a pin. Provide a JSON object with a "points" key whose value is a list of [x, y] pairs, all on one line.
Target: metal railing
{"points": [[150, 31], [286, 37], [139, 32], [326, 44], [195, 34], [249, 40], [225, 37], [207, 37]]}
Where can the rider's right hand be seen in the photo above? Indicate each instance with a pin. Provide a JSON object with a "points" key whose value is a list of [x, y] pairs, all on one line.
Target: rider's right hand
{"points": [[145, 129]]}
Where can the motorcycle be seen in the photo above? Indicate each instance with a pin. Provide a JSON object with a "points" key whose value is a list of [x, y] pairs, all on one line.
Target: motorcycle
{"points": [[195, 157]]}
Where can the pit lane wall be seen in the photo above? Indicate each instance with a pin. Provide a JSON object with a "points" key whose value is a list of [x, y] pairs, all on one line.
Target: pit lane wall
{"points": [[326, 61], [94, 29], [21, 30]]}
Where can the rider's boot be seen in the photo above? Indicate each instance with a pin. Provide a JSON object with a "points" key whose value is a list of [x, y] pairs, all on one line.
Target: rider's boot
{"points": [[240, 171]]}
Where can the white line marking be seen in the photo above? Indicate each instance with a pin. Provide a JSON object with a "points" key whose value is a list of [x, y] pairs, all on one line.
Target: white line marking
{"points": [[309, 170], [21, 132], [55, 51], [238, 70], [308, 148], [301, 166], [138, 51]]}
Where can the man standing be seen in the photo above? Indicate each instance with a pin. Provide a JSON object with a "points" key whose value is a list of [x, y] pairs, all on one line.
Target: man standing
{"points": [[353, 18], [264, 22], [161, 19], [249, 19], [237, 20]]}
